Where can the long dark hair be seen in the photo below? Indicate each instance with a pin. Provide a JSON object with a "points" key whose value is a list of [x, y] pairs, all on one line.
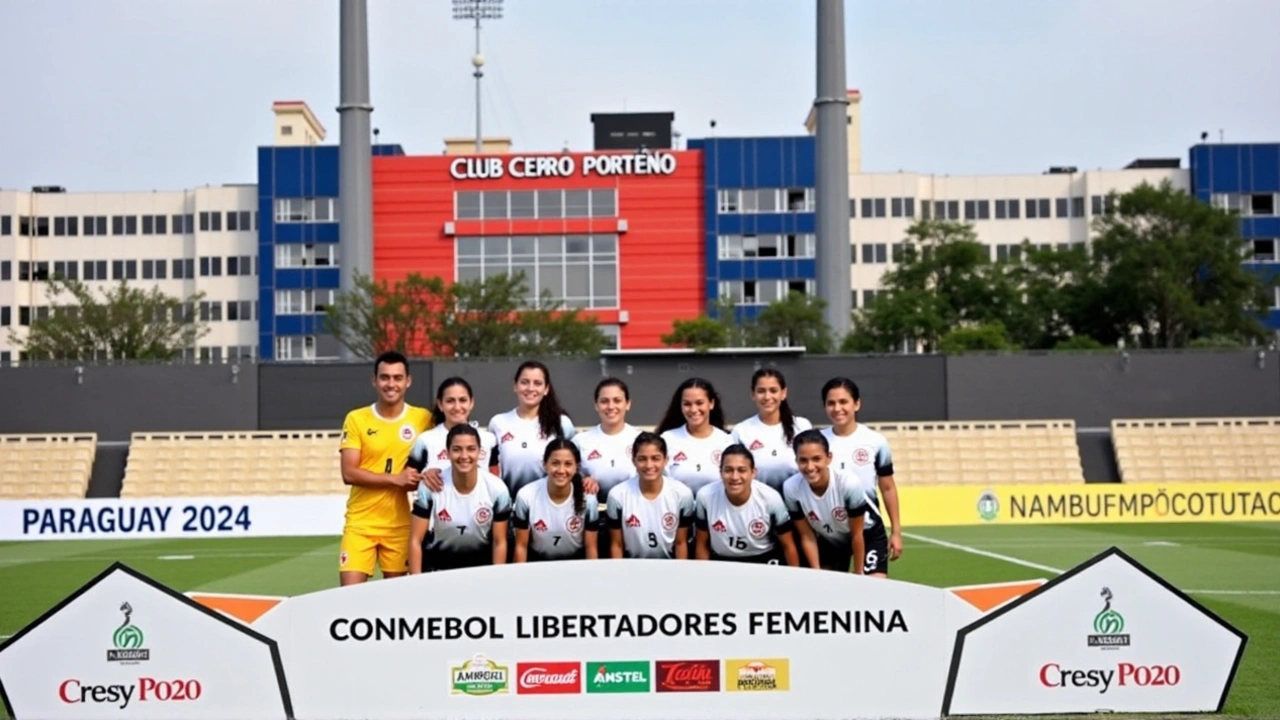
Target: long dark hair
{"points": [[784, 408], [737, 449], [437, 415], [579, 494], [549, 410], [674, 417]]}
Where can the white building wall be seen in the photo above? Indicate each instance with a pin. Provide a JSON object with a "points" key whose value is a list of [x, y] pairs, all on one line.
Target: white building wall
{"points": [[884, 205], [50, 232]]}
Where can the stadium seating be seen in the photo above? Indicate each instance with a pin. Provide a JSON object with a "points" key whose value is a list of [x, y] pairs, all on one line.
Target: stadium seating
{"points": [[1195, 449], [233, 463], [1030, 451], [46, 467]]}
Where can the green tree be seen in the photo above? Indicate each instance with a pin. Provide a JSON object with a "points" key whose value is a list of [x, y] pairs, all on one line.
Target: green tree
{"points": [[492, 317], [123, 323], [992, 336], [794, 321], [1170, 266], [700, 334]]}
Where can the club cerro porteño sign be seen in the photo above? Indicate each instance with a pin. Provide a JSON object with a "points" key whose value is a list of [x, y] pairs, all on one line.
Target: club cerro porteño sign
{"points": [[546, 166]]}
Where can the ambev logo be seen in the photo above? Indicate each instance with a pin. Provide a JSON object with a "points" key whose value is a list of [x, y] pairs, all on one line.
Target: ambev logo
{"points": [[1108, 626], [619, 676], [548, 678], [687, 675], [478, 676], [757, 675], [128, 641]]}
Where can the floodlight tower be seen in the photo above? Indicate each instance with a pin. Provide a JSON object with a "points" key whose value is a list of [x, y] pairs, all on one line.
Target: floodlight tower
{"points": [[477, 10]]}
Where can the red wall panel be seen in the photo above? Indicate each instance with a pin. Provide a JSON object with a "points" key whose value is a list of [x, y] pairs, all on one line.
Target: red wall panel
{"points": [[662, 266]]}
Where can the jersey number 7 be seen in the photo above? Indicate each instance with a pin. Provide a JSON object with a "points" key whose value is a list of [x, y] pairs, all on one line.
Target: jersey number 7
{"points": [[462, 529]]}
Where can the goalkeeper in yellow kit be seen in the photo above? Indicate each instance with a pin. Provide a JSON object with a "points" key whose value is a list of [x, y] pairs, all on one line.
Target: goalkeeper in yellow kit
{"points": [[375, 447]]}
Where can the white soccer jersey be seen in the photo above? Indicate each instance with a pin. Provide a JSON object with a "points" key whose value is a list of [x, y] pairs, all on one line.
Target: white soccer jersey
{"points": [[865, 455], [555, 531], [649, 526], [607, 458], [429, 450], [463, 523], [828, 515], [775, 459], [695, 461], [741, 531], [520, 447]]}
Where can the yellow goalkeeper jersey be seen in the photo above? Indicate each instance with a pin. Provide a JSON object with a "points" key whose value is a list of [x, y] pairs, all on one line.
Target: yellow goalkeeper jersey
{"points": [[384, 448]]}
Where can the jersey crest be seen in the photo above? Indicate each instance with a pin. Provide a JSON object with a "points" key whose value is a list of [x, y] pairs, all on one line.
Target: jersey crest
{"points": [[633, 521], [483, 515], [755, 445], [668, 521], [595, 455], [839, 514], [715, 458], [680, 457], [758, 528], [719, 526], [573, 524], [861, 456], [540, 526], [407, 433]]}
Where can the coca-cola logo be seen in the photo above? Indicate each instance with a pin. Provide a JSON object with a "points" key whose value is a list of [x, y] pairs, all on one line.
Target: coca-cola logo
{"points": [[549, 678], [687, 675]]}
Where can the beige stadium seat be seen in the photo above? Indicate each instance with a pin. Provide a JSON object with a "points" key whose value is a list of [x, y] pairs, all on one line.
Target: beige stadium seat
{"points": [[1197, 449], [289, 462], [46, 467], [1030, 451]]}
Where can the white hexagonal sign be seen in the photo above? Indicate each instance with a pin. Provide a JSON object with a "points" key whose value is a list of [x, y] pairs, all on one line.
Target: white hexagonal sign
{"points": [[1106, 636], [125, 646]]}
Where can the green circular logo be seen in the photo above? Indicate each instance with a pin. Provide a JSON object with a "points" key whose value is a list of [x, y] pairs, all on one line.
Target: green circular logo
{"points": [[1108, 622], [128, 637], [988, 506]]}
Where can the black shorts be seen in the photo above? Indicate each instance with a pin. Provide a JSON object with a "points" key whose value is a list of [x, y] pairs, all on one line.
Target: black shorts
{"points": [[876, 544], [437, 560], [772, 557], [835, 557], [533, 556]]}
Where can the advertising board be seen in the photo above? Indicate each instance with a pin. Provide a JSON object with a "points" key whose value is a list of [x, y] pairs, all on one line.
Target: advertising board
{"points": [[570, 640], [125, 647], [1030, 504], [175, 517], [1107, 636]]}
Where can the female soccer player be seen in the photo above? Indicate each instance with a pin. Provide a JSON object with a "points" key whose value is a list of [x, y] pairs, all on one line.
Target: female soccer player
{"points": [[454, 402], [831, 504], [650, 514], [863, 452], [768, 433], [606, 448], [740, 518], [693, 428], [555, 518], [467, 517], [524, 431]]}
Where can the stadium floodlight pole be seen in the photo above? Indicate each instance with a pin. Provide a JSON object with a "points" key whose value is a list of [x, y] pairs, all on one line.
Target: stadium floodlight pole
{"points": [[355, 152], [477, 10], [834, 254]]}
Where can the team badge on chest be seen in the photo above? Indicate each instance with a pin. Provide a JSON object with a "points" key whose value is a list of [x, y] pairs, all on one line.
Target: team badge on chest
{"points": [[669, 521], [573, 524], [839, 514], [758, 528], [407, 433], [861, 456], [483, 515]]}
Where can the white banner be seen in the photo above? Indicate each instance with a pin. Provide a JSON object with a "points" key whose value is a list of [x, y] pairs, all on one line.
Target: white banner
{"points": [[175, 517], [1107, 636], [624, 640], [125, 647]]}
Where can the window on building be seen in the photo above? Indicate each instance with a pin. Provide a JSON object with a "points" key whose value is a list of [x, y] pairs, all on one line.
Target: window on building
{"points": [[304, 301], [1062, 206], [503, 204], [211, 311], [69, 269], [868, 297], [1264, 250], [1262, 204], [211, 266], [6, 270], [24, 315], [306, 210], [295, 347], [239, 265], [67, 226], [6, 225], [296, 255], [875, 253], [727, 201], [6, 316], [580, 270], [1077, 206]]}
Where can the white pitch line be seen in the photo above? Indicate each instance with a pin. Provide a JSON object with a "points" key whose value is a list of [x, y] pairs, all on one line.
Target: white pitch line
{"points": [[1232, 592], [983, 553], [176, 557]]}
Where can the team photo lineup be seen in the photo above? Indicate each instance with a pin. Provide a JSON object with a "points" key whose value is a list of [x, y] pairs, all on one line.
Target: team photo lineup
{"points": [[431, 489]]}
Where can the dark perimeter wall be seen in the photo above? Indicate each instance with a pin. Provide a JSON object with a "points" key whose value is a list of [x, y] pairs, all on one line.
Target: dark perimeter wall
{"points": [[115, 401]]}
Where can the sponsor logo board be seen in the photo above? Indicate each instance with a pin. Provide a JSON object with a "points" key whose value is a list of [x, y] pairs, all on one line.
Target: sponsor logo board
{"points": [[478, 676], [619, 676], [686, 675], [548, 678], [757, 675]]}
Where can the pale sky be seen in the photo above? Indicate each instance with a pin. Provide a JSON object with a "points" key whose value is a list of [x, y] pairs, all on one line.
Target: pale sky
{"points": [[114, 95]]}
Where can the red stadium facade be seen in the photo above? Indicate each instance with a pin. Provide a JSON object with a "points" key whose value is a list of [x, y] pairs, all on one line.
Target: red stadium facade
{"points": [[617, 234]]}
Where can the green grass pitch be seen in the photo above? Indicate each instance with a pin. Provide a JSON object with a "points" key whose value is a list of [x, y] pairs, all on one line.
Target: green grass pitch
{"points": [[1233, 569]]}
